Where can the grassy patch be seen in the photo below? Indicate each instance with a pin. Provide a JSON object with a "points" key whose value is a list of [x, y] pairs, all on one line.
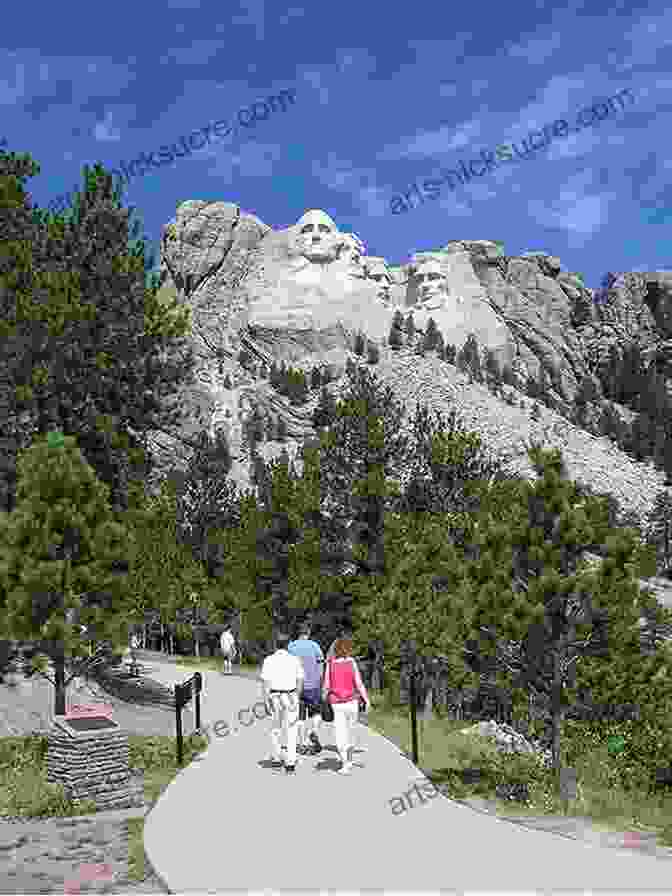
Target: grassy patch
{"points": [[446, 755], [26, 793], [214, 663]]}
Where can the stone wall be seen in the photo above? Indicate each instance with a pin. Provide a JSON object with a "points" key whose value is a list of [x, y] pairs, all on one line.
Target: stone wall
{"points": [[93, 766]]}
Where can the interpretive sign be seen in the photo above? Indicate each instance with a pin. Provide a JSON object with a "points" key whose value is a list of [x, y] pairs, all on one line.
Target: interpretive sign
{"points": [[89, 757], [183, 694], [92, 723], [89, 710]]}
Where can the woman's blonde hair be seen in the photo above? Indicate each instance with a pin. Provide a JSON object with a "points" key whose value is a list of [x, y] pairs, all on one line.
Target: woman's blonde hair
{"points": [[343, 647]]}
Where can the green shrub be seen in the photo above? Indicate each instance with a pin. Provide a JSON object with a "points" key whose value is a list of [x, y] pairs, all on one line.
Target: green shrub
{"points": [[474, 752], [24, 789]]}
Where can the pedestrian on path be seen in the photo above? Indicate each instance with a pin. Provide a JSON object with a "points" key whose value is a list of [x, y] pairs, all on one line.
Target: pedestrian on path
{"points": [[310, 717], [342, 687], [282, 677], [228, 644], [343, 633]]}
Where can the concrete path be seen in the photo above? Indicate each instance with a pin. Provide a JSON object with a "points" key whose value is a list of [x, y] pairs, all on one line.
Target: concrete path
{"points": [[229, 821]]}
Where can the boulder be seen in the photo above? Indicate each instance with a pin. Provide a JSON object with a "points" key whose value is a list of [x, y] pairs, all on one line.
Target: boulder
{"points": [[507, 739]]}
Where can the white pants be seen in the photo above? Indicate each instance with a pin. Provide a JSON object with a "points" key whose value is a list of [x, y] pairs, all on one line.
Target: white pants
{"points": [[345, 716], [285, 725]]}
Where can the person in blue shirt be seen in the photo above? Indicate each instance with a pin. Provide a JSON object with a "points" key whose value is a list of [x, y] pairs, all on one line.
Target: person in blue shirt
{"points": [[310, 654]]}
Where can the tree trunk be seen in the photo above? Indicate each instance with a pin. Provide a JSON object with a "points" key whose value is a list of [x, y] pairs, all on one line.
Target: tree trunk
{"points": [[556, 714], [59, 682]]}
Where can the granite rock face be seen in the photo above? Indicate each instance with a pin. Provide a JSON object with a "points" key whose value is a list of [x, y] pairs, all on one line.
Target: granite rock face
{"points": [[300, 294]]}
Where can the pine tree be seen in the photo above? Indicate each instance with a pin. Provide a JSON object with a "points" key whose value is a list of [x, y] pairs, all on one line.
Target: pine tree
{"points": [[398, 320], [508, 376], [204, 495], [586, 394], [350, 366], [530, 588], [264, 371], [451, 353], [165, 558], [493, 372], [419, 597], [326, 376], [395, 339], [315, 378], [325, 411], [282, 430], [447, 467], [257, 426], [531, 387], [430, 339], [227, 382], [659, 524], [409, 329], [89, 349], [359, 344], [62, 559], [373, 353], [357, 454], [273, 375], [470, 358], [297, 387]]}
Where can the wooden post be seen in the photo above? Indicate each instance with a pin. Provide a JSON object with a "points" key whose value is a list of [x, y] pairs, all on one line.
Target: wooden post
{"points": [[198, 679], [178, 721]]}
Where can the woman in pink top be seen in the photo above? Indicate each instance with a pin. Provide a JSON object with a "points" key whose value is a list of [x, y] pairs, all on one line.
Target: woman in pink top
{"points": [[342, 686]]}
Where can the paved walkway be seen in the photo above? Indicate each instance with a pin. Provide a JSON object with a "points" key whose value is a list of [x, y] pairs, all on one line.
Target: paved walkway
{"points": [[231, 822]]}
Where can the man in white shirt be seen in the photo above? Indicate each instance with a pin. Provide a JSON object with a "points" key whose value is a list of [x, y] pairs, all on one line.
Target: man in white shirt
{"points": [[282, 678], [228, 644]]}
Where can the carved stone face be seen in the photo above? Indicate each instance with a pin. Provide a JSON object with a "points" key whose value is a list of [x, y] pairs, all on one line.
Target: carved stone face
{"points": [[315, 235], [376, 270], [352, 248], [432, 286]]}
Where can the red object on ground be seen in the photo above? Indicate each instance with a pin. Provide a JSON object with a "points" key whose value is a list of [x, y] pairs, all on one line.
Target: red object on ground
{"points": [[86, 872], [87, 710], [632, 839]]}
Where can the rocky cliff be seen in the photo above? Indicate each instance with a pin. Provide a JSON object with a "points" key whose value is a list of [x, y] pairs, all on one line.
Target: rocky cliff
{"points": [[301, 294]]}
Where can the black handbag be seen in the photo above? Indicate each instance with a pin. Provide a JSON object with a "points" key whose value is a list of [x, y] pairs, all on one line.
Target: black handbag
{"points": [[326, 711]]}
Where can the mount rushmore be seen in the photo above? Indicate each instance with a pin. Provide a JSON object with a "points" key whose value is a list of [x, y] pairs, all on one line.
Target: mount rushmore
{"points": [[301, 295]]}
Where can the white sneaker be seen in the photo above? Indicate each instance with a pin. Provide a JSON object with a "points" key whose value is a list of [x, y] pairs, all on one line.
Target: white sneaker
{"points": [[345, 769]]}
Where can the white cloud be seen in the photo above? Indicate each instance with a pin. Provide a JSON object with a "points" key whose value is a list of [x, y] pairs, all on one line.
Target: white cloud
{"points": [[575, 210], [105, 132], [373, 201], [315, 79], [648, 35], [432, 144]]}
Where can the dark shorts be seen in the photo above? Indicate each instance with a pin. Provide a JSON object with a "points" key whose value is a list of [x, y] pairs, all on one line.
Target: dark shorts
{"points": [[310, 704]]}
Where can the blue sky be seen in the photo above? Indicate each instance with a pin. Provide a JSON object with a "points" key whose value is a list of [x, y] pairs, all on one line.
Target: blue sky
{"points": [[386, 94]]}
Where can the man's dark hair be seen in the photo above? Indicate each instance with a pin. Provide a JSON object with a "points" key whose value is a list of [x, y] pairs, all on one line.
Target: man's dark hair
{"points": [[282, 639], [305, 628]]}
